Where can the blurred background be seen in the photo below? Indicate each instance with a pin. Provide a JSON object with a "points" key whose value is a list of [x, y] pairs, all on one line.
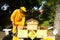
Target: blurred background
{"points": [[45, 17], [45, 11]]}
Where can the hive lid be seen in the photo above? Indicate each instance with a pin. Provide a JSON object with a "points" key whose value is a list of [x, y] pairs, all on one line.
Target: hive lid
{"points": [[32, 21]]}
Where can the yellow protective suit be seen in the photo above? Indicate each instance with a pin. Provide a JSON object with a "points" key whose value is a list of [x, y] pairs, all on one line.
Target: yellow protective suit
{"points": [[15, 38], [18, 19]]}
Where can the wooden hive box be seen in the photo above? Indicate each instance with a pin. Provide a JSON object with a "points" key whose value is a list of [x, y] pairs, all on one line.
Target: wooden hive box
{"points": [[32, 24], [41, 33], [49, 38]]}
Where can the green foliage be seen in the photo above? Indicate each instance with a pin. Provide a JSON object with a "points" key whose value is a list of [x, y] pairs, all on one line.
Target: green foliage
{"points": [[47, 18], [49, 13], [45, 23]]}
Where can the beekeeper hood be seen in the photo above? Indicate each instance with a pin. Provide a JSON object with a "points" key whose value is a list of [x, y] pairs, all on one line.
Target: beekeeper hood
{"points": [[23, 8]]}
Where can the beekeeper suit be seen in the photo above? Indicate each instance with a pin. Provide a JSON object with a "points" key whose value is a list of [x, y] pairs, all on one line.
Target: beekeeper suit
{"points": [[18, 19]]}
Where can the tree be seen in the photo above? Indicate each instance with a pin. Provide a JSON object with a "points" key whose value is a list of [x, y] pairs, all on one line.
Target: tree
{"points": [[49, 9]]}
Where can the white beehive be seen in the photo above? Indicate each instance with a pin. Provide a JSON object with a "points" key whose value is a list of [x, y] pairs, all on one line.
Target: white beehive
{"points": [[22, 34], [41, 33], [32, 24]]}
